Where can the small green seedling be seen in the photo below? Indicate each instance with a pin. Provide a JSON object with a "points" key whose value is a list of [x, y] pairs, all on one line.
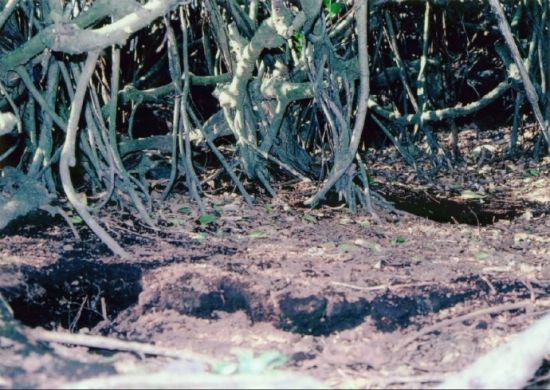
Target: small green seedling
{"points": [[333, 7], [400, 240], [364, 223], [345, 247], [206, 219], [184, 210], [256, 234], [249, 364], [298, 41], [531, 172], [310, 218], [76, 219], [482, 255]]}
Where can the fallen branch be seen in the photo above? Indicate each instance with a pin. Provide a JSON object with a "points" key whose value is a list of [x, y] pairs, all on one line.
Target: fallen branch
{"points": [[530, 92], [383, 287], [101, 342]]}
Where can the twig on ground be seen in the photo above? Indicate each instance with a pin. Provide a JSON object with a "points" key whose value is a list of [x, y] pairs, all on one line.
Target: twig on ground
{"points": [[101, 342], [385, 381], [383, 286]]}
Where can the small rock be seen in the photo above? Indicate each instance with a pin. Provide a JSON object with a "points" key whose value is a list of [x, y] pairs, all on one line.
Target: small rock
{"points": [[528, 215]]}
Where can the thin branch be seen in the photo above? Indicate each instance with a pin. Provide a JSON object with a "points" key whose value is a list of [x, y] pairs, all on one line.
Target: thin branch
{"points": [[527, 83]]}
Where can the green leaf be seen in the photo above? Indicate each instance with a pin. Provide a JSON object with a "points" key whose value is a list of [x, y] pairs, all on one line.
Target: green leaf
{"points": [[206, 219], [346, 247], [533, 172], [257, 234], [298, 40], [336, 8], [184, 210], [224, 368], [248, 364], [365, 223], [76, 219], [371, 180], [268, 209], [298, 36], [400, 239], [310, 218], [482, 255], [467, 194]]}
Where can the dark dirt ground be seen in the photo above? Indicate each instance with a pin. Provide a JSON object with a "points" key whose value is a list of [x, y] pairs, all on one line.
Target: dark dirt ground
{"points": [[344, 297]]}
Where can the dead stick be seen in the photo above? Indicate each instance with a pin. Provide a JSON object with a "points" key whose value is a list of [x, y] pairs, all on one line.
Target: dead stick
{"points": [[382, 286], [6, 312], [104, 309], [101, 342]]}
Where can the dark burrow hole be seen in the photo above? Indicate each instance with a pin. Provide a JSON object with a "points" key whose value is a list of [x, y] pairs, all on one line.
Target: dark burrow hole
{"points": [[474, 212], [390, 311], [69, 294], [316, 316], [425, 205], [73, 293], [229, 298], [320, 315], [34, 224]]}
